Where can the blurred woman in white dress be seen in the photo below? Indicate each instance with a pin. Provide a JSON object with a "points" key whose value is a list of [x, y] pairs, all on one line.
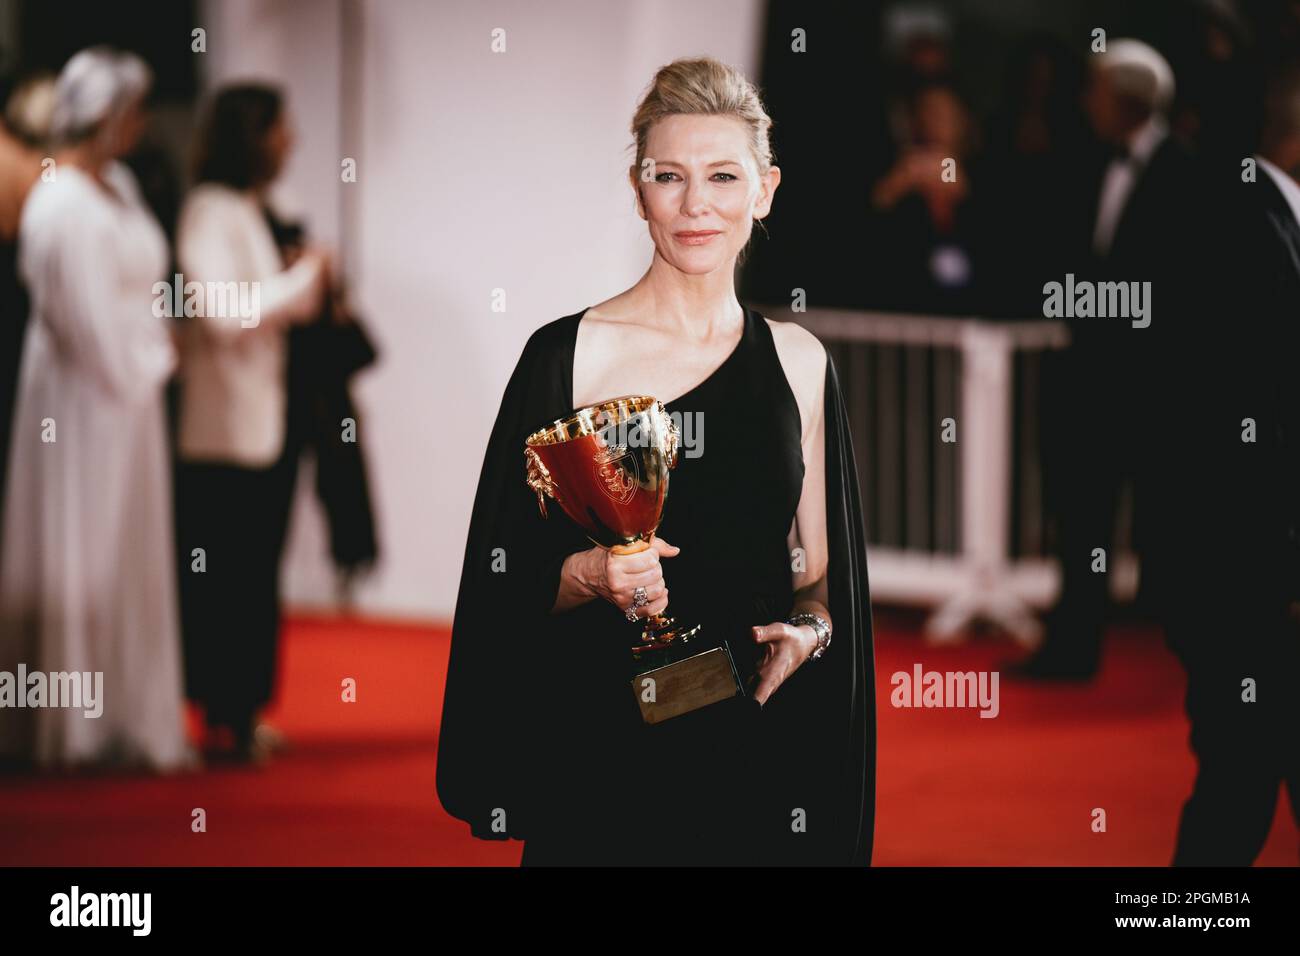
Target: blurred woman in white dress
{"points": [[87, 576]]}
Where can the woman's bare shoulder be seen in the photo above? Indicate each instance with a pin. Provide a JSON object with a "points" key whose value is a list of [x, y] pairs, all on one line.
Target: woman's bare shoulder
{"points": [[803, 359], [607, 327], [617, 310]]}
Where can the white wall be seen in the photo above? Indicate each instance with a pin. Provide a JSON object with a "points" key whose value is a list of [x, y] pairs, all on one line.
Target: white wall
{"points": [[476, 171]]}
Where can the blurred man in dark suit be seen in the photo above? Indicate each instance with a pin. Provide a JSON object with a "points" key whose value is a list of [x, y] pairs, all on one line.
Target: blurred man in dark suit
{"points": [[1096, 393], [1225, 556]]}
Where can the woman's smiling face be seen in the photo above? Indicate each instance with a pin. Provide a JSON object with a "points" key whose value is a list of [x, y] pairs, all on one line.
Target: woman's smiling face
{"points": [[704, 191]]}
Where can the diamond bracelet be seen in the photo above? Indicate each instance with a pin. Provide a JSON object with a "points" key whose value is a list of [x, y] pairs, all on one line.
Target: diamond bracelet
{"points": [[820, 627]]}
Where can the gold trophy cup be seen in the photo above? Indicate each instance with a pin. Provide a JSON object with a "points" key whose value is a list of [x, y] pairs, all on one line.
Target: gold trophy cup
{"points": [[607, 466]]}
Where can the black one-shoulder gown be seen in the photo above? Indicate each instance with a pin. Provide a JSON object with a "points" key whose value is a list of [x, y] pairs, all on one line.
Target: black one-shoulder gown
{"points": [[541, 736]]}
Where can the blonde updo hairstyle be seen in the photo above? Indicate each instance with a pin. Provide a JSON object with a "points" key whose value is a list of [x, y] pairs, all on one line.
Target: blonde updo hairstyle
{"points": [[702, 86]]}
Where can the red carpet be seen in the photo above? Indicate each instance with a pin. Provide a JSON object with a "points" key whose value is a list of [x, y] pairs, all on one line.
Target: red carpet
{"points": [[358, 788]]}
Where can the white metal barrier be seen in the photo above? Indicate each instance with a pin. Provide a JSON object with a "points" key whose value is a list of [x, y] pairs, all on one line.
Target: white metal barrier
{"points": [[966, 572]]}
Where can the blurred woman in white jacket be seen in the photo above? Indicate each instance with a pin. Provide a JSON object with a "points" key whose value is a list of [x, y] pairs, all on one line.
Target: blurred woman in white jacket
{"points": [[87, 579], [235, 476]]}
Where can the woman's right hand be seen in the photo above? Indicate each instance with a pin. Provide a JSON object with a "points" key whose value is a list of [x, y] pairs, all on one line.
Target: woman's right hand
{"points": [[312, 270], [615, 577]]}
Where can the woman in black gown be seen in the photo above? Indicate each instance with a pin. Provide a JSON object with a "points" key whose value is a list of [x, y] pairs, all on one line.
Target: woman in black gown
{"points": [[541, 737]]}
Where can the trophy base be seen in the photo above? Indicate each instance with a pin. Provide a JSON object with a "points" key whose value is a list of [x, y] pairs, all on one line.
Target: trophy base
{"points": [[681, 677]]}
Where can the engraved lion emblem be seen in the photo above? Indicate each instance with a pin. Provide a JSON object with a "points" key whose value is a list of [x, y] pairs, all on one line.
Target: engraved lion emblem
{"points": [[617, 473]]}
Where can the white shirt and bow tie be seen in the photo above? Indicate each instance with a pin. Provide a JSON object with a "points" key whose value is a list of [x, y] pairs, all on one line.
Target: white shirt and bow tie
{"points": [[1121, 176]]}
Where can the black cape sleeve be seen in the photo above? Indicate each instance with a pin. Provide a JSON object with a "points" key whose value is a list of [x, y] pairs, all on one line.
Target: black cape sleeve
{"points": [[488, 751], [820, 726], [849, 679]]}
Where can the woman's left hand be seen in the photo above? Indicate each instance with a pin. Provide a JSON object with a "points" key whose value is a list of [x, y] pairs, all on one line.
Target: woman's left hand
{"points": [[784, 648]]}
